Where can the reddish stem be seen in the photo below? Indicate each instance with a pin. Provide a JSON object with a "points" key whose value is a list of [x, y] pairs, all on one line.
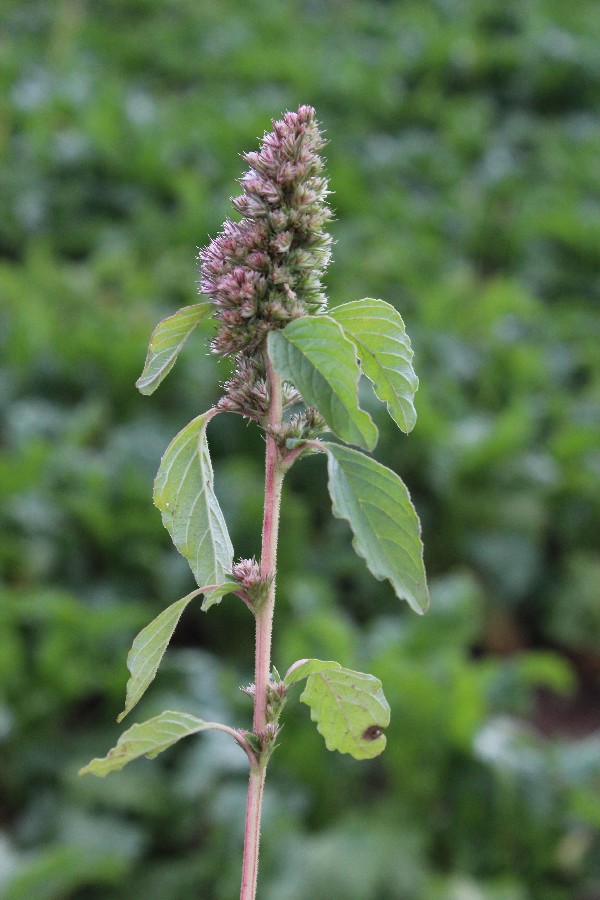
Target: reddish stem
{"points": [[274, 472], [252, 832]]}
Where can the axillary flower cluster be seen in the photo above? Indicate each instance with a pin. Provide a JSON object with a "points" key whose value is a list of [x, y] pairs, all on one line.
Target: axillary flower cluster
{"points": [[265, 270]]}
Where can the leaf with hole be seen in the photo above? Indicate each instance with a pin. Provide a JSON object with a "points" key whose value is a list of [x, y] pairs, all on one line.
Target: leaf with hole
{"points": [[167, 339], [320, 361], [149, 739], [386, 528], [184, 493], [350, 711], [385, 354]]}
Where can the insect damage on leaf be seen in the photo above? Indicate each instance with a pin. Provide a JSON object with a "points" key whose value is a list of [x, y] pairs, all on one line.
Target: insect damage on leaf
{"points": [[372, 733], [349, 708]]}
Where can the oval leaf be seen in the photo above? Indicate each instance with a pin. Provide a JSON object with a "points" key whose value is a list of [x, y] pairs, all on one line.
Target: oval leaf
{"points": [[183, 491], [148, 739], [350, 711], [150, 644], [167, 340], [385, 354], [305, 667], [386, 528], [315, 356]]}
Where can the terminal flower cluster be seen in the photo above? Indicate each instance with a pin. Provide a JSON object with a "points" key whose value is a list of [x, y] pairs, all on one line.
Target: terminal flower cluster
{"points": [[265, 270]]}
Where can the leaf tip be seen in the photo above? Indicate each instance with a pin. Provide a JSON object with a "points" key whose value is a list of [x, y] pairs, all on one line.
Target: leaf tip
{"points": [[144, 387], [374, 439], [418, 606]]}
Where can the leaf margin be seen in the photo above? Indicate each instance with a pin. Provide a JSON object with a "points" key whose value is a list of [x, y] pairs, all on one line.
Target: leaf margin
{"points": [[297, 673], [347, 742], [221, 567], [401, 591], [400, 405], [141, 675], [114, 760], [151, 378], [281, 348]]}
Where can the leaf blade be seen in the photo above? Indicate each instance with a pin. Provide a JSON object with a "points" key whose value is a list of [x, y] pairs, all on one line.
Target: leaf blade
{"points": [[320, 361], [147, 651], [306, 667], [184, 494], [150, 644], [216, 594], [166, 341], [350, 711], [147, 739], [386, 528], [385, 353]]}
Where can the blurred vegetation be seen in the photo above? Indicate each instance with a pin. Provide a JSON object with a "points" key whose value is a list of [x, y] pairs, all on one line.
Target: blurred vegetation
{"points": [[464, 158]]}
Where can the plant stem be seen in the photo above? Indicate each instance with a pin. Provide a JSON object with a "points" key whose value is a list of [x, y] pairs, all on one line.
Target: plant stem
{"points": [[274, 473], [252, 832]]}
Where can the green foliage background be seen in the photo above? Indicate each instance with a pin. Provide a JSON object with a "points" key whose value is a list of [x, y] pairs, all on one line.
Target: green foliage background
{"points": [[464, 158]]}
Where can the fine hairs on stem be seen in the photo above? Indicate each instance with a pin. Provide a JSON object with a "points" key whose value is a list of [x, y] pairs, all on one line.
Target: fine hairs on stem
{"points": [[297, 365]]}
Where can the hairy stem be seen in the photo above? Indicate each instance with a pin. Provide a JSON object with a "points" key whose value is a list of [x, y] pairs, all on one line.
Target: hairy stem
{"points": [[274, 472], [252, 832], [268, 562]]}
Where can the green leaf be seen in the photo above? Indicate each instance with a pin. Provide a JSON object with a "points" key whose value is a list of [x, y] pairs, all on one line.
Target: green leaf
{"points": [[66, 868], [148, 739], [167, 339], [350, 711], [386, 528], [305, 667], [315, 356], [148, 649], [149, 646], [183, 491], [216, 594], [385, 354]]}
